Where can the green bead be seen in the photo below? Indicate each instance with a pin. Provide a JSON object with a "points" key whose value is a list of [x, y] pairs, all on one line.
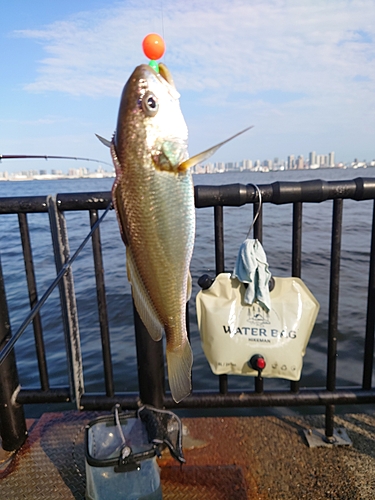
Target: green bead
{"points": [[154, 65]]}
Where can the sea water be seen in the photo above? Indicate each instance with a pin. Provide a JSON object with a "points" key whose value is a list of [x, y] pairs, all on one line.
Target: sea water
{"points": [[277, 238]]}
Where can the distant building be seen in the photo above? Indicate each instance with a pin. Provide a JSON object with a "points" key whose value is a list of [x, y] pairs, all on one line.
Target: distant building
{"points": [[247, 164], [331, 159], [312, 159], [300, 164], [268, 164], [322, 160], [291, 162]]}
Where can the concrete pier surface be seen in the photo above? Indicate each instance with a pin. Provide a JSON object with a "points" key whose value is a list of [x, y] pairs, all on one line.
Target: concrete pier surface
{"points": [[254, 458]]}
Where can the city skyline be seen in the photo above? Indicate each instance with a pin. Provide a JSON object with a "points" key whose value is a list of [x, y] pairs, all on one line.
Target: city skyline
{"points": [[315, 161]]}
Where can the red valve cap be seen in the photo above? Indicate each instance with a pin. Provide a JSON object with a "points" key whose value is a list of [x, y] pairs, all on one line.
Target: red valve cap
{"points": [[261, 363]]}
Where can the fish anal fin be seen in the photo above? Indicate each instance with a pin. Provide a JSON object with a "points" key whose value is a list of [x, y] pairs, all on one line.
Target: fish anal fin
{"points": [[142, 300], [194, 160], [180, 362], [189, 287]]}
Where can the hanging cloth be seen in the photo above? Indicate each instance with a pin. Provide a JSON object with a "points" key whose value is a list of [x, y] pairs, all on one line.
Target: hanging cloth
{"points": [[252, 267]]}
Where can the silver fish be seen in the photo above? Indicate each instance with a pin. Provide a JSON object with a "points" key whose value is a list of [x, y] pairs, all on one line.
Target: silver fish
{"points": [[154, 200]]}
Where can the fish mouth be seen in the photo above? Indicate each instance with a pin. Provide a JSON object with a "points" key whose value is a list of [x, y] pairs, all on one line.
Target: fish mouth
{"points": [[144, 71], [166, 74]]}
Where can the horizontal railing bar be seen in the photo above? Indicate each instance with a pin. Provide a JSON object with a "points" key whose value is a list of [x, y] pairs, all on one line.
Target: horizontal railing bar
{"points": [[285, 192], [305, 397], [207, 399], [130, 401], [23, 204], [65, 202], [83, 201], [315, 191], [33, 396]]}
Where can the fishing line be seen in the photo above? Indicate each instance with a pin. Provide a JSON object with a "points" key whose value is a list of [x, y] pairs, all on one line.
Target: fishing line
{"points": [[162, 19], [10, 344], [258, 211]]}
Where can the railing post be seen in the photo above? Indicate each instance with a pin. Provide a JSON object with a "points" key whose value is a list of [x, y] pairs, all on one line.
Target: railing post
{"points": [[12, 419], [150, 360], [258, 225], [68, 300], [219, 264], [33, 298], [333, 312], [102, 306], [370, 317], [296, 258]]}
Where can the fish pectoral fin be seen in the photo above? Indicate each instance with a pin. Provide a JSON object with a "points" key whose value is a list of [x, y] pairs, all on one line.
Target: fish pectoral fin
{"points": [[180, 362], [142, 300], [106, 142], [194, 160]]}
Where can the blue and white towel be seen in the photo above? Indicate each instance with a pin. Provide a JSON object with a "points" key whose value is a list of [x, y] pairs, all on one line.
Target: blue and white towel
{"points": [[252, 268]]}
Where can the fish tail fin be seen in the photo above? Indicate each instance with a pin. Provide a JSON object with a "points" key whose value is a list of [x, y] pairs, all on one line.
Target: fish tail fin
{"points": [[179, 363]]}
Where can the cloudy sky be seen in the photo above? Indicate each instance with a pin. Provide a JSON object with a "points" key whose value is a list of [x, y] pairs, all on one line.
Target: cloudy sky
{"points": [[302, 72]]}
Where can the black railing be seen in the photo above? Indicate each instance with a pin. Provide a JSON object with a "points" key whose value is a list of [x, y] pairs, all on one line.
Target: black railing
{"points": [[150, 354]]}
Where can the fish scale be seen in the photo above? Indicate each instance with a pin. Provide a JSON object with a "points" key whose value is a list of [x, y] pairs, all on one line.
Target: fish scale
{"points": [[169, 242]]}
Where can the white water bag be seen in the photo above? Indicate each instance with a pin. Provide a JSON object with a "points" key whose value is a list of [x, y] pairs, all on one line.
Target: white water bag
{"points": [[232, 332]]}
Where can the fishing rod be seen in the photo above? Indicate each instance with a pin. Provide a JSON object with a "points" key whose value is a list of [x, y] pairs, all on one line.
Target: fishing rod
{"points": [[10, 344], [50, 157]]}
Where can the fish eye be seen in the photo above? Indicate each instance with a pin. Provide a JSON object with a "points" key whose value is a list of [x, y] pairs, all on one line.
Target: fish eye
{"points": [[150, 104]]}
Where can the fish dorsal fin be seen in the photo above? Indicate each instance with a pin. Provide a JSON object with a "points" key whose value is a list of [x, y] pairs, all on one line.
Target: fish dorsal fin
{"points": [[190, 162], [106, 142], [116, 199], [142, 300]]}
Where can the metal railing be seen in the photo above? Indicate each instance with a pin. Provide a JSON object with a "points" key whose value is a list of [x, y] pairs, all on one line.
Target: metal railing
{"points": [[150, 354]]}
